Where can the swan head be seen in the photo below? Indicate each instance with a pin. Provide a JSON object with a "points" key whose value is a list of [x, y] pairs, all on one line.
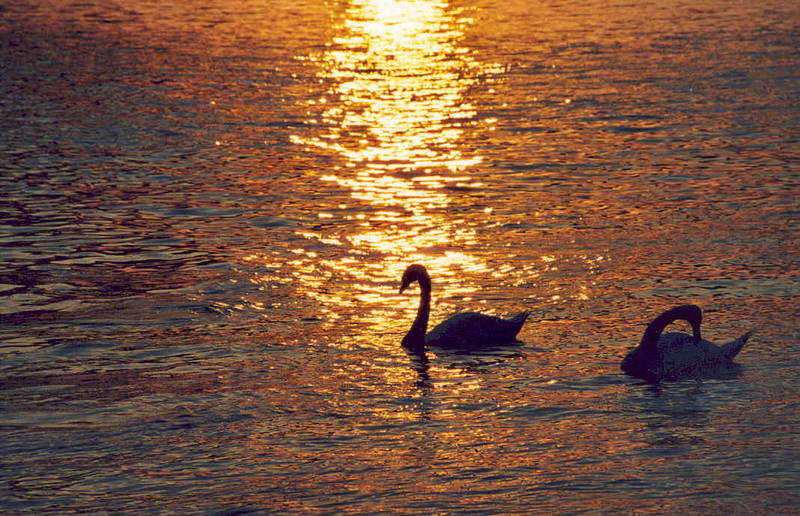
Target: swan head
{"points": [[418, 273], [694, 316]]}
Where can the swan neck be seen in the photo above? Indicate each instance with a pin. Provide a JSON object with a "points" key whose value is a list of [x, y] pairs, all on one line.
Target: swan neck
{"points": [[424, 310], [654, 329], [415, 339]]}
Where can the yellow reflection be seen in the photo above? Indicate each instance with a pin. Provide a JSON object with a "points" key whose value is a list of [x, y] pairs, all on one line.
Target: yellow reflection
{"points": [[394, 116], [400, 77]]}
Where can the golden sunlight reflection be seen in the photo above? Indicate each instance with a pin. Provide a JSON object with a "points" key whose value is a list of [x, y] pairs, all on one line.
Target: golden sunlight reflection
{"points": [[399, 78], [394, 117]]}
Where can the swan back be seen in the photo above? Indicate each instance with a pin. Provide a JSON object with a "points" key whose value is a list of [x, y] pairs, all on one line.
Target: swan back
{"points": [[471, 330]]}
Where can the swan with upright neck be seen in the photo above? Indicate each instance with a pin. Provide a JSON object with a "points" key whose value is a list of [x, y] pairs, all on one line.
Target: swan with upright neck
{"points": [[672, 356], [468, 330]]}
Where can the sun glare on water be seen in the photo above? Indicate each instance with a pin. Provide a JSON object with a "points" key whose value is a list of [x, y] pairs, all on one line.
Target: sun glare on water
{"points": [[394, 118]]}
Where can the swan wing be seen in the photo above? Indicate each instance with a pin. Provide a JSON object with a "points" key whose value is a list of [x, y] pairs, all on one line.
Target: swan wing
{"points": [[682, 357], [471, 330]]}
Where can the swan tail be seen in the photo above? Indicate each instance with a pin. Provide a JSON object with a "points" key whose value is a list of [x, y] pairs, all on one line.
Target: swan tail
{"points": [[514, 325], [731, 349], [520, 318]]}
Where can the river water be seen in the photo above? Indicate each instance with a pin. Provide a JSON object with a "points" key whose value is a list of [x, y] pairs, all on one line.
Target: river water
{"points": [[206, 211]]}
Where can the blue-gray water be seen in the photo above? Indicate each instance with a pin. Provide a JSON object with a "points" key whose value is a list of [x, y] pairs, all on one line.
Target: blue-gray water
{"points": [[205, 212]]}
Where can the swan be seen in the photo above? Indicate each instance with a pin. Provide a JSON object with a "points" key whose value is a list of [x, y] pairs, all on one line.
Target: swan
{"points": [[671, 356], [468, 330]]}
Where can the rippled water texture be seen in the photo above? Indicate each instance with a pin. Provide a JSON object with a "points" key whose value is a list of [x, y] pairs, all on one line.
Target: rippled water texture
{"points": [[206, 208]]}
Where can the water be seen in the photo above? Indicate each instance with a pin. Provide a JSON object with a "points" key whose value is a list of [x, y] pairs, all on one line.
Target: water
{"points": [[206, 212]]}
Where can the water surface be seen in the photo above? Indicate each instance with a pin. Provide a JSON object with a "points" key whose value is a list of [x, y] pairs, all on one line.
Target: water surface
{"points": [[206, 212]]}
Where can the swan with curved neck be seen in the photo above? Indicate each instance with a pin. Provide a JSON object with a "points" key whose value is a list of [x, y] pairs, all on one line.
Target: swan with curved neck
{"points": [[467, 330], [672, 356]]}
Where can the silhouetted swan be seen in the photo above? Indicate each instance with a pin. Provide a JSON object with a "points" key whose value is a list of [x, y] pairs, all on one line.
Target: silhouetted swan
{"points": [[467, 330], [672, 356]]}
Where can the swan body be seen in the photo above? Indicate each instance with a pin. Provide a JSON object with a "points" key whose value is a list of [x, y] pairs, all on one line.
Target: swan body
{"points": [[673, 355], [468, 330]]}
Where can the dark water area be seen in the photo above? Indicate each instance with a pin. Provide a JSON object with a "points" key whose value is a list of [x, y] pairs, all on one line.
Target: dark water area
{"points": [[205, 212]]}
